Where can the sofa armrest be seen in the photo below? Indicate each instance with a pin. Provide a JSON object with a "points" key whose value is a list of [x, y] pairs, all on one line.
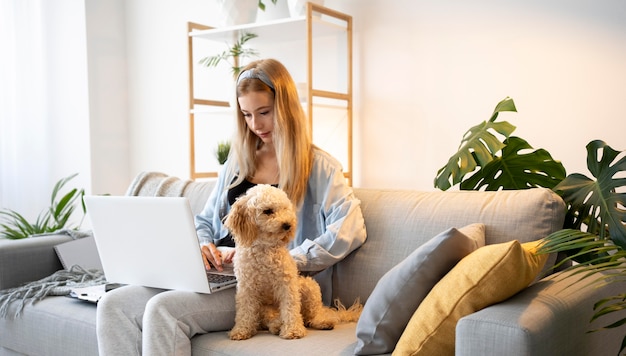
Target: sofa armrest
{"points": [[551, 317], [28, 259]]}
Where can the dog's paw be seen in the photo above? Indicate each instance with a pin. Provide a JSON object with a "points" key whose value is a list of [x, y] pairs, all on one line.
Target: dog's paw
{"points": [[294, 332], [274, 326], [322, 324], [241, 333]]}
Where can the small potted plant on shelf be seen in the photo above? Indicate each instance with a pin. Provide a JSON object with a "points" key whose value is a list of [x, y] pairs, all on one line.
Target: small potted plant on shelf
{"points": [[233, 54], [262, 4], [272, 12], [222, 151], [594, 231]]}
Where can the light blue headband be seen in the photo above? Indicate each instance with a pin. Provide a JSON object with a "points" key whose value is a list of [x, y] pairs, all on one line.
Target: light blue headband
{"points": [[255, 73]]}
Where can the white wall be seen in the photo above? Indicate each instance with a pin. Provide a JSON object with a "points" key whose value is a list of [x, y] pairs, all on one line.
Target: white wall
{"points": [[561, 61], [44, 116], [158, 82], [425, 72], [438, 68], [108, 96]]}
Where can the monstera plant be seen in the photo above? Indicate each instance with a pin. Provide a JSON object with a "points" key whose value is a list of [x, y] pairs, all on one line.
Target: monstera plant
{"points": [[501, 164], [594, 232]]}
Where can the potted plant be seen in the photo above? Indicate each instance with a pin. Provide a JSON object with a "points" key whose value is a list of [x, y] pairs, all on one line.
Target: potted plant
{"points": [[222, 151], [594, 232], [262, 4], [298, 7], [271, 12], [233, 54], [54, 218], [238, 12]]}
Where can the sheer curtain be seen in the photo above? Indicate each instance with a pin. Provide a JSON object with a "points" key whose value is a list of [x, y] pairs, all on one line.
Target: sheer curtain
{"points": [[44, 121]]}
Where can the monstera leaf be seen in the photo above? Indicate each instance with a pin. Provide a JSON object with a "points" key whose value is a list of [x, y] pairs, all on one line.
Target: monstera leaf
{"points": [[516, 170], [478, 147], [597, 204]]}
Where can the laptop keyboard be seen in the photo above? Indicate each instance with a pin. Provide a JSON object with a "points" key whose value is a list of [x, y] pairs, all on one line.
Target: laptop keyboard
{"points": [[219, 278]]}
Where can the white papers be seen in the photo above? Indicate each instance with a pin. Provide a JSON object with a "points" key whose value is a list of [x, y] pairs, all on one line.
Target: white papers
{"points": [[90, 294]]}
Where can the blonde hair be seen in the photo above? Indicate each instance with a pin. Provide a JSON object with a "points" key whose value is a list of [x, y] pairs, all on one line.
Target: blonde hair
{"points": [[291, 138]]}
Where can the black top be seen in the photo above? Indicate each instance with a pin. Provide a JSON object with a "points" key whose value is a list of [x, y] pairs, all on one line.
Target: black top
{"points": [[234, 193], [239, 190]]}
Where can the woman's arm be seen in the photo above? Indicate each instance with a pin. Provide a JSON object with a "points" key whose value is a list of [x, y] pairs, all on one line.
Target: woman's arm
{"points": [[209, 222], [330, 221]]}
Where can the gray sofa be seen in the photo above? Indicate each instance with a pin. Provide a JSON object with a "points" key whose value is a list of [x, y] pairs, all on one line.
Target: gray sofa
{"points": [[545, 318]]}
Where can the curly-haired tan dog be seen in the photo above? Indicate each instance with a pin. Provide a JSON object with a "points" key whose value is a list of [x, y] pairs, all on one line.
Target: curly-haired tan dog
{"points": [[270, 293]]}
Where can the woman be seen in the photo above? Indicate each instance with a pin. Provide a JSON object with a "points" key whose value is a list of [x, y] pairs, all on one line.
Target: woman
{"points": [[272, 146]]}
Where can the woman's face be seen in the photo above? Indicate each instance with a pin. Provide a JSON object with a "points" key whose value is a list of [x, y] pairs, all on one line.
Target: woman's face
{"points": [[258, 110]]}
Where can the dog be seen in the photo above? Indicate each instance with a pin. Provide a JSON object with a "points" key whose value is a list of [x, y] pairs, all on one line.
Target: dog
{"points": [[270, 293]]}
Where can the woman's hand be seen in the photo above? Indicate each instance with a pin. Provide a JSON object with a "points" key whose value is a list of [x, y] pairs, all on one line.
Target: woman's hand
{"points": [[212, 256], [228, 256]]}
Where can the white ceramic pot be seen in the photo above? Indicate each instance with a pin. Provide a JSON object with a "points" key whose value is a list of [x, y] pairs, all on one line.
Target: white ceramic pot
{"points": [[238, 12], [297, 8], [277, 11]]}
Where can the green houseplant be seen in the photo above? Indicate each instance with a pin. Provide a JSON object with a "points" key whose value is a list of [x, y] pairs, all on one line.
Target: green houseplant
{"points": [[222, 151], [233, 54], [594, 232], [262, 5], [54, 218]]}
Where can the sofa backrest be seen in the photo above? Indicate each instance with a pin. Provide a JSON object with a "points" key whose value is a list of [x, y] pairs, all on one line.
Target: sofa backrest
{"points": [[398, 222], [159, 184]]}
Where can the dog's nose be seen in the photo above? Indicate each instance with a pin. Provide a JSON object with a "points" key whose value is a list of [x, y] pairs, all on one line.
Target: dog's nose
{"points": [[286, 226]]}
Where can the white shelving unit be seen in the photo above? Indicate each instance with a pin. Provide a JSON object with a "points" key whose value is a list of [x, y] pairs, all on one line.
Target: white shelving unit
{"points": [[318, 24]]}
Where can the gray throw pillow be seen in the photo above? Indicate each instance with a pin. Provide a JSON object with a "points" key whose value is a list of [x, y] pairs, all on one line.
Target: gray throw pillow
{"points": [[400, 291]]}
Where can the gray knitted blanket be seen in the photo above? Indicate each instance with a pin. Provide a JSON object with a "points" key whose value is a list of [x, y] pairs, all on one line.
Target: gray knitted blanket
{"points": [[157, 184], [60, 283]]}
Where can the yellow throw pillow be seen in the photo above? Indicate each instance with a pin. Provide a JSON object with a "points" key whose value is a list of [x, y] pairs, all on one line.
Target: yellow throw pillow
{"points": [[487, 276]]}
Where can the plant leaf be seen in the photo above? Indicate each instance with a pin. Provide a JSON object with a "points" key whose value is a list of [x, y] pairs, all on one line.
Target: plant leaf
{"points": [[237, 50], [59, 185], [478, 147], [597, 203], [609, 305], [516, 170], [17, 227], [583, 247]]}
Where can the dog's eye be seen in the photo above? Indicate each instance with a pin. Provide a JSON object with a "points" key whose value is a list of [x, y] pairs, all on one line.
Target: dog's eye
{"points": [[268, 211]]}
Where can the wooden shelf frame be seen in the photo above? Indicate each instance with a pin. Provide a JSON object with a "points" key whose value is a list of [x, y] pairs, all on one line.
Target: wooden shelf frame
{"points": [[327, 23]]}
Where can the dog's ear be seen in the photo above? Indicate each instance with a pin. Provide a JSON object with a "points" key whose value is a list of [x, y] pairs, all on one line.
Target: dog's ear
{"points": [[240, 223]]}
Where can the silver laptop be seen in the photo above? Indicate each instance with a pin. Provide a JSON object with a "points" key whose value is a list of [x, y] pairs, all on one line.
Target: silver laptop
{"points": [[152, 241]]}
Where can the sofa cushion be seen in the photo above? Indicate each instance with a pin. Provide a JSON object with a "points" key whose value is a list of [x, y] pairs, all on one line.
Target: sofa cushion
{"points": [[52, 326], [337, 342], [399, 221], [401, 290], [487, 276]]}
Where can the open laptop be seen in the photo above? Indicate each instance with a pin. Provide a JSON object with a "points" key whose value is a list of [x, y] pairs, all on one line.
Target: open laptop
{"points": [[152, 241]]}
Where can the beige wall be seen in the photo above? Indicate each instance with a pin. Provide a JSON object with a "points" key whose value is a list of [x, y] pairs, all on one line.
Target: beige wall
{"points": [[436, 68], [425, 71]]}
